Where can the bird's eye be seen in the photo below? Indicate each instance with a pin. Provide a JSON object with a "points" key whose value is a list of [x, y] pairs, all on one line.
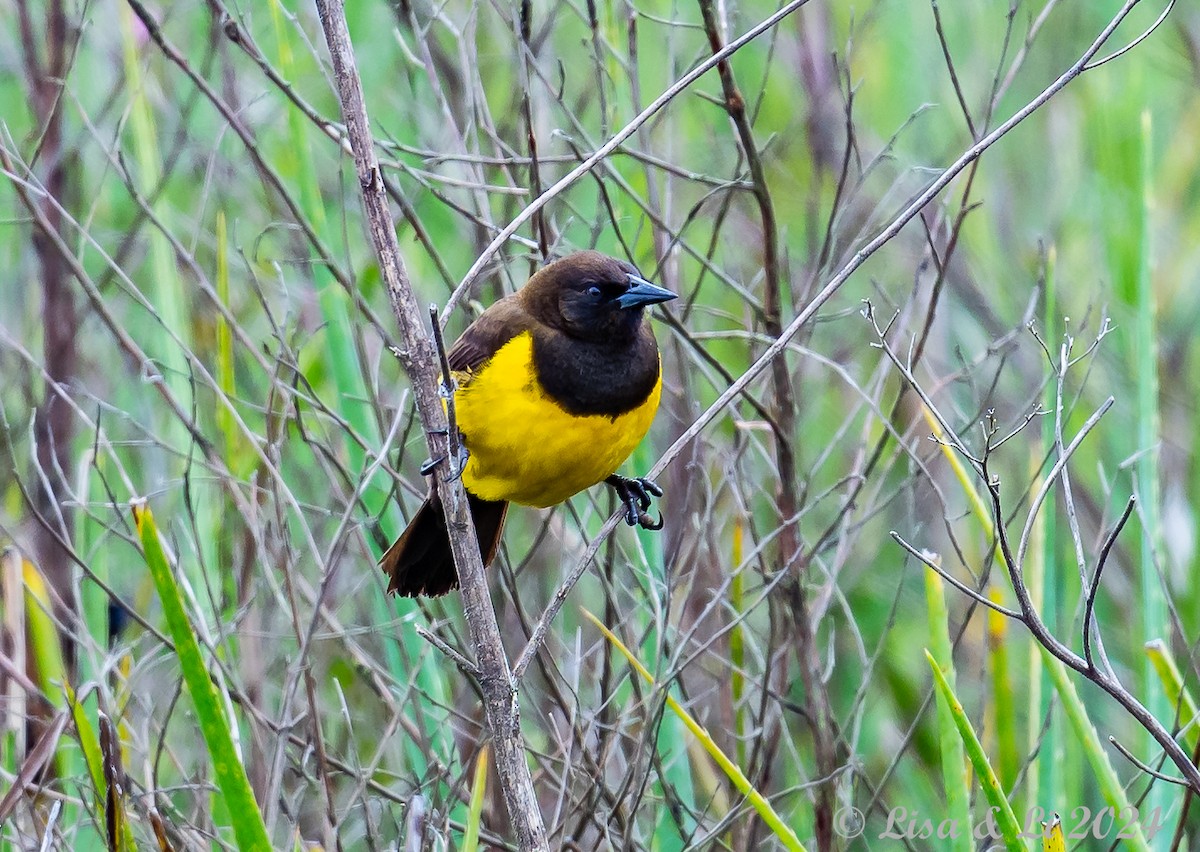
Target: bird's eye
{"points": [[594, 292]]}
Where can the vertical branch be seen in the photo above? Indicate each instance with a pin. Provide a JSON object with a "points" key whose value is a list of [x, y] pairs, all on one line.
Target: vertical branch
{"points": [[783, 425], [535, 180], [53, 421], [419, 360]]}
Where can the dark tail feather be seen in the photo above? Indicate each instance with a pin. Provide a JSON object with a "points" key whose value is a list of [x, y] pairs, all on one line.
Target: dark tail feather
{"points": [[420, 562]]}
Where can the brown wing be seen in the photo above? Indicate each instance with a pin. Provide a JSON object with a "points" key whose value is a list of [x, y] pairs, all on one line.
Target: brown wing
{"points": [[483, 338]]}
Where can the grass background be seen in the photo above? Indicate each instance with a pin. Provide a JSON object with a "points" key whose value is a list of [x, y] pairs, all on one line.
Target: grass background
{"points": [[190, 316]]}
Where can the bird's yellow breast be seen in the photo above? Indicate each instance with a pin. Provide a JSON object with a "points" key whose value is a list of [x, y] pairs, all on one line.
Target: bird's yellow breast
{"points": [[527, 449]]}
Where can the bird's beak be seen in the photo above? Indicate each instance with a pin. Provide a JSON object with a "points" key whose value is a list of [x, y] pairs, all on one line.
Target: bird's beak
{"points": [[641, 292]]}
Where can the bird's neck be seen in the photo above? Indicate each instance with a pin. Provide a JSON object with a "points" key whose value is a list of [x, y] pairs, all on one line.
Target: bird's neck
{"points": [[597, 377]]}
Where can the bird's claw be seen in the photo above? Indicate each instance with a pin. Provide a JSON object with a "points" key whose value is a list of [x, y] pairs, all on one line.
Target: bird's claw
{"points": [[648, 523], [430, 465], [464, 456], [637, 494]]}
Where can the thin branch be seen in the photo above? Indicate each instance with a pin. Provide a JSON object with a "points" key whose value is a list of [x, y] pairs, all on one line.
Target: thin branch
{"points": [[1149, 31], [1089, 612], [468, 667], [974, 595], [1145, 767], [1059, 467]]}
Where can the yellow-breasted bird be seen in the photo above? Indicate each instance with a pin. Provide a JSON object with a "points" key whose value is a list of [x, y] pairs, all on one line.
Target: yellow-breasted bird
{"points": [[556, 385]]}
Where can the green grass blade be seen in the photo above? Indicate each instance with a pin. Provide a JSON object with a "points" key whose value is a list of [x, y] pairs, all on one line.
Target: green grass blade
{"points": [[737, 641], [1183, 706], [1008, 754], [1005, 820], [89, 740], [673, 825], [1152, 600], [954, 765], [169, 296], [46, 651], [226, 379], [475, 812], [245, 817], [55, 683]]}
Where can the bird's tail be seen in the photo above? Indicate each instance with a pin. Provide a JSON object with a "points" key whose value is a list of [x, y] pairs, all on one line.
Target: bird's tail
{"points": [[420, 561]]}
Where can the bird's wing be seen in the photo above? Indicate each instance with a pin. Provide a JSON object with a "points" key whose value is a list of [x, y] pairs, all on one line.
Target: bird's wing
{"points": [[483, 338]]}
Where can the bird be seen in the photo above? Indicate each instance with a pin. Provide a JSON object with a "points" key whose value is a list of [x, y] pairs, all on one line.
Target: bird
{"points": [[554, 387]]}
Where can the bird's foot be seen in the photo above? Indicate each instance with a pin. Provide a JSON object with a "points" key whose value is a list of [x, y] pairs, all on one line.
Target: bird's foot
{"points": [[637, 494]]}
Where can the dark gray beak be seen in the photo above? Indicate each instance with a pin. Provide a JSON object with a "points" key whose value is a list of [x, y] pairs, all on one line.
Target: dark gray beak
{"points": [[642, 293]]}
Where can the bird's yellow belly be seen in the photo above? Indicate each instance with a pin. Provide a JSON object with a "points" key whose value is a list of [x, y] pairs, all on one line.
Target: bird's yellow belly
{"points": [[524, 447]]}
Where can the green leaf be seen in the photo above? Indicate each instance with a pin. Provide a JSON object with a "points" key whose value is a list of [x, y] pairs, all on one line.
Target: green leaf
{"points": [[1005, 819], [246, 819]]}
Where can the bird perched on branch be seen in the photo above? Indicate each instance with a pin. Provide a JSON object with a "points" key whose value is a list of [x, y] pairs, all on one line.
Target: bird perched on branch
{"points": [[556, 386]]}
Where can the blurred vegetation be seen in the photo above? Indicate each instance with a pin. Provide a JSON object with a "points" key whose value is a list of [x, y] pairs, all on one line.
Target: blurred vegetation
{"points": [[191, 318]]}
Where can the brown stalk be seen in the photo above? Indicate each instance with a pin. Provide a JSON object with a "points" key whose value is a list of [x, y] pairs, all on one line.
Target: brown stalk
{"points": [[535, 181], [783, 425], [53, 424]]}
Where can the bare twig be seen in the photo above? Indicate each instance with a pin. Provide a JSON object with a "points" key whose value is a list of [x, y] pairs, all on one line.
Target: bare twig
{"points": [[1131, 45], [1059, 468], [459, 660], [1145, 767], [1089, 612], [935, 565], [1029, 615]]}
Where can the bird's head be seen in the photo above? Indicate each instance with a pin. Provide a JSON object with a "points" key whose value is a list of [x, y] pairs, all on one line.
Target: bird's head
{"points": [[591, 296]]}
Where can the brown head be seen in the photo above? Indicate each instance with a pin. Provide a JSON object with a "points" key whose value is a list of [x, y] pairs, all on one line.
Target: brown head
{"points": [[591, 296]]}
